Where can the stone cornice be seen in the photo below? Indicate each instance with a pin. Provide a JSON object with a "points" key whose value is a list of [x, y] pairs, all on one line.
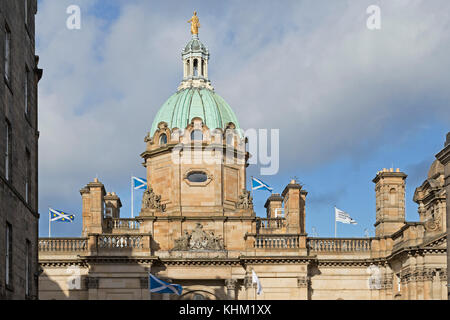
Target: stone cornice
{"points": [[290, 186], [118, 259], [194, 218], [414, 251], [61, 263], [276, 259], [350, 262], [273, 197], [212, 146], [388, 174], [444, 155], [440, 239], [199, 262]]}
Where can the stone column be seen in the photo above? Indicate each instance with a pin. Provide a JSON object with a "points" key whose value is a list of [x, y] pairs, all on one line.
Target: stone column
{"points": [[419, 278], [428, 284], [443, 281], [206, 68], [248, 287], [191, 67], [231, 288], [444, 158]]}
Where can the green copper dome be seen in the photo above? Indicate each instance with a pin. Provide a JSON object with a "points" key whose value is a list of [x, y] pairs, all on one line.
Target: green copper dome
{"points": [[186, 104]]}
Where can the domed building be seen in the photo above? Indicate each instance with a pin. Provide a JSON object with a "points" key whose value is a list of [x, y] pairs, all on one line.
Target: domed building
{"points": [[197, 227]]}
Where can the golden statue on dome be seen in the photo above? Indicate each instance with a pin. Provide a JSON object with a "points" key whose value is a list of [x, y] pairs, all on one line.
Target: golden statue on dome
{"points": [[195, 23]]}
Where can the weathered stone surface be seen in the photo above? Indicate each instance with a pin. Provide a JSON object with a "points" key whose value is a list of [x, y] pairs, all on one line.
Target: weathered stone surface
{"points": [[19, 190]]}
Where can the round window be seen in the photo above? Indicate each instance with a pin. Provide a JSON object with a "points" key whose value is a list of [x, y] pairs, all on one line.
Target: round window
{"points": [[197, 176]]}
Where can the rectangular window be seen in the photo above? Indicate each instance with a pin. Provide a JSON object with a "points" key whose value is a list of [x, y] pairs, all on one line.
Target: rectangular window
{"points": [[27, 176], [25, 89], [28, 268], [7, 52], [8, 145], [8, 255]]}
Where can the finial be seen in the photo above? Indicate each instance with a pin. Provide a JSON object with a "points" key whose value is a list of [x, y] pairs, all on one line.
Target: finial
{"points": [[195, 24]]}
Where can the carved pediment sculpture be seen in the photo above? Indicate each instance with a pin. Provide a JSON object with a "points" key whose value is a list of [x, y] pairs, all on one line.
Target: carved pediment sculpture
{"points": [[433, 223], [197, 240], [150, 200], [245, 200]]}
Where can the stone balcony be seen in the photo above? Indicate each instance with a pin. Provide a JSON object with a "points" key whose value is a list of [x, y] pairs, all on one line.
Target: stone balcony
{"points": [[271, 225], [121, 225], [96, 244], [340, 247]]}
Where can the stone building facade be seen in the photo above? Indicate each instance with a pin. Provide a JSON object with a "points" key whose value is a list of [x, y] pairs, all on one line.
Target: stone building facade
{"points": [[19, 151], [197, 226], [444, 158]]}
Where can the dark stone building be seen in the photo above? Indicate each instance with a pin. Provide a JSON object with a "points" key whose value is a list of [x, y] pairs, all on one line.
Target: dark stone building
{"points": [[19, 77]]}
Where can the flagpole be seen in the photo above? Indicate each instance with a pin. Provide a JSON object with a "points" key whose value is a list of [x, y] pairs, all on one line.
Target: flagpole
{"points": [[251, 183], [49, 224], [132, 198], [335, 223]]}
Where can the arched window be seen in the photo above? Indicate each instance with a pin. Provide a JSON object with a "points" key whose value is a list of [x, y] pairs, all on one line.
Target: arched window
{"points": [[196, 135], [162, 139], [195, 68], [392, 197]]}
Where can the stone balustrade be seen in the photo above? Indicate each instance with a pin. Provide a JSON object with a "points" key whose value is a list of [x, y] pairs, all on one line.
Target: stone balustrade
{"points": [[101, 241], [112, 241], [282, 241], [123, 224], [270, 223], [339, 245], [62, 244]]}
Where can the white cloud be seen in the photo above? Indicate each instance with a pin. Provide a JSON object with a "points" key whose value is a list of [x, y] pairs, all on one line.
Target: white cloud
{"points": [[311, 69]]}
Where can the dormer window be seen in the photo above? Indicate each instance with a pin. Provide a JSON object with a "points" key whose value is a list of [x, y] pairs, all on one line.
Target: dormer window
{"points": [[163, 139]]}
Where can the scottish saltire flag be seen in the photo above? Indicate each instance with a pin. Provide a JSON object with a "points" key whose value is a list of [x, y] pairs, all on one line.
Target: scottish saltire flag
{"points": [[257, 184], [255, 279], [158, 286], [56, 215], [342, 216], [139, 183]]}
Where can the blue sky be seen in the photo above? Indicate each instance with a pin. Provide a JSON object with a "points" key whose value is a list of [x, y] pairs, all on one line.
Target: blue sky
{"points": [[348, 101]]}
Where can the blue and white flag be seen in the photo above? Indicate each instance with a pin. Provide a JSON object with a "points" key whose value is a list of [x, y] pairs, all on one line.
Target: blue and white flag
{"points": [[255, 279], [139, 183], [342, 216], [57, 215], [159, 286], [257, 184]]}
